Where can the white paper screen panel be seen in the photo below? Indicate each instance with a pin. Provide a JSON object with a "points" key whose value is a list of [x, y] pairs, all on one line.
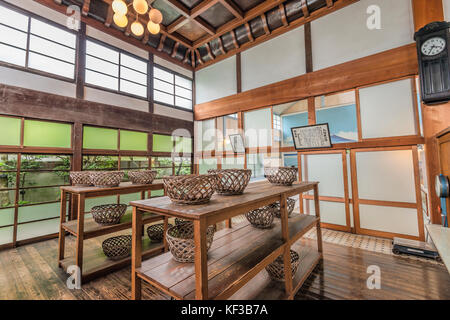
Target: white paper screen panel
{"points": [[208, 134], [216, 81], [335, 40], [327, 169], [268, 62], [389, 219], [386, 175], [387, 110], [258, 128], [233, 163], [330, 212]]}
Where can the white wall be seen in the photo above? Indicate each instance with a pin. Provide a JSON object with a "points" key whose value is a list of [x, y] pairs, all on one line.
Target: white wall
{"points": [[275, 60], [40, 10], [173, 66], [216, 81], [114, 99], [344, 36], [174, 113], [446, 10]]}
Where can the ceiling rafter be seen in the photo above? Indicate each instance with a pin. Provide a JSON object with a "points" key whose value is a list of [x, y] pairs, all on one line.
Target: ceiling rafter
{"points": [[330, 3], [109, 17], [211, 55], [175, 49], [86, 7], [161, 42], [265, 24], [233, 8], [222, 49], [199, 57], [283, 15], [233, 35], [305, 8], [177, 24], [249, 32]]}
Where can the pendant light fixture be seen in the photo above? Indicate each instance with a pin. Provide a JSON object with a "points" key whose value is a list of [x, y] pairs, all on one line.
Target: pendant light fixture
{"points": [[140, 7]]}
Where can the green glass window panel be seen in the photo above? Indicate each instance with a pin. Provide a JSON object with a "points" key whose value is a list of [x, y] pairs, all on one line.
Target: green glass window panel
{"points": [[39, 212], [9, 131], [134, 163], [39, 195], [126, 198], [183, 144], [37, 229], [100, 163], [8, 162], [41, 179], [41, 162], [162, 172], [162, 143], [157, 193], [47, 134], [132, 140], [6, 217], [92, 202], [162, 162], [100, 138], [7, 198]]}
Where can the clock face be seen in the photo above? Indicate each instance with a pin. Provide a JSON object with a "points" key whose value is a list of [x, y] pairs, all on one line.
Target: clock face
{"points": [[433, 46]]}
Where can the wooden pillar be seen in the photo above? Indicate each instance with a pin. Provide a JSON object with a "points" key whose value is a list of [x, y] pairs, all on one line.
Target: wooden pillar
{"points": [[437, 117], [308, 48], [238, 73], [81, 62], [150, 64]]}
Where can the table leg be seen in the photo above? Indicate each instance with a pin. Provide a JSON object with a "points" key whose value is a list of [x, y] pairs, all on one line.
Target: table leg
{"points": [[317, 209], [136, 253], [62, 232], [80, 233], [287, 248], [228, 223], [166, 225], [201, 260]]}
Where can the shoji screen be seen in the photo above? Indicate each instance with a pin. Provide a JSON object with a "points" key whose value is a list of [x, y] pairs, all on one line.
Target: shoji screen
{"points": [[330, 170], [258, 128], [386, 192], [388, 110]]}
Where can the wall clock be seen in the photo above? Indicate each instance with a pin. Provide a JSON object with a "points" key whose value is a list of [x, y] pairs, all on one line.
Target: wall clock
{"points": [[433, 52]]}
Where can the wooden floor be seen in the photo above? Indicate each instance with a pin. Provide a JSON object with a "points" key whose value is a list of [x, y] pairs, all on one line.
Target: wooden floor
{"points": [[31, 272]]}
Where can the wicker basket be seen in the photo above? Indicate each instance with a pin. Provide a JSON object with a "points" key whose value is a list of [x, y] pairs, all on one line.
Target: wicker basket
{"points": [[180, 239], [108, 214], [106, 179], [80, 178], [283, 176], [118, 247], [142, 177], [231, 181], [156, 232], [191, 189], [261, 218], [180, 221], [290, 207], [276, 268]]}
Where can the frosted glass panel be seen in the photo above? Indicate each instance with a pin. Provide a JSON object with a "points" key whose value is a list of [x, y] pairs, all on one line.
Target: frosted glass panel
{"points": [[6, 217], [208, 134], [126, 198], [205, 164], [389, 219], [348, 41], [327, 169], [330, 212], [268, 62], [386, 175], [233, 163], [43, 211], [387, 110], [258, 128], [36, 229], [6, 235], [216, 81]]}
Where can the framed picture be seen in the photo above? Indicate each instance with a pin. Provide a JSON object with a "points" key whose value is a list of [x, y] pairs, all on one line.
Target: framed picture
{"points": [[237, 143], [311, 137]]}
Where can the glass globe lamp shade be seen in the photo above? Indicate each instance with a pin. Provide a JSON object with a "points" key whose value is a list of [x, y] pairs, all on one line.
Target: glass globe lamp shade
{"points": [[120, 20], [155, 16], [119, 7], [153, 28], [137, 28], [140, 6]]}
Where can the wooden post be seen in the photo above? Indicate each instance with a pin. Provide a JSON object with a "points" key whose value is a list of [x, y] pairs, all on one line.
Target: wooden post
{"points": [[80, 233], [317, 209], [287, 248], [62, 232], [201, 263], [136, 253], [166, 226]]}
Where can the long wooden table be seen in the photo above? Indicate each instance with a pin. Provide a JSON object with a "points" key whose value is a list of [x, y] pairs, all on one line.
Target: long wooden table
{"points": [[237, 255], [441, 239], [84, 229]]}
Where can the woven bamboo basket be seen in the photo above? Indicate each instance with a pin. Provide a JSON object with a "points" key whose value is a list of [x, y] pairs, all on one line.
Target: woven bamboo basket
{"points": [[80, 178], [190, 189], [156, 232], [261, 218], [276, 268], [180, 221], [142, 177], [283, 176], [106, 179], [180, 239], [118, 247], [108, 214], [231, 181], [290, 207]]}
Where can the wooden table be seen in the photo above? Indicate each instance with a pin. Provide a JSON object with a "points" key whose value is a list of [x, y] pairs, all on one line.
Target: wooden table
{"points": [[84, 229], [237, 255], [441, 240]]}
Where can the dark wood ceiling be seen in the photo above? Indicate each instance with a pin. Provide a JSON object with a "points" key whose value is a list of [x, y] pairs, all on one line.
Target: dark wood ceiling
{"points": [[196, 33]]}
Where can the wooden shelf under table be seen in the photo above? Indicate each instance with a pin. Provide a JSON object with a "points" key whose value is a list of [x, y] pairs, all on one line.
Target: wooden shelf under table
{"points": [[92, 229], [235, 257], [95, 262]]}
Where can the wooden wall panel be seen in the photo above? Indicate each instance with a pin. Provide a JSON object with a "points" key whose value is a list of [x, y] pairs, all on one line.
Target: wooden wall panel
{"points": [[391, 64]]}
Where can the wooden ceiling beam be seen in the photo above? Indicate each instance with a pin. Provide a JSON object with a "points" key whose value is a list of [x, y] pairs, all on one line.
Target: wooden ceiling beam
{"points": [[109, 17], [205, 26], [283, 15], [249, 15], [265, 24], [175, 49], [202, 7], [186, 56], [161, 42], [199, 59], [305, 8], [208, 48], [330, 3], [177, 24], [222, 49], [249, 32], [193, 58], [233, 35], [233, 8], [178, 6]]}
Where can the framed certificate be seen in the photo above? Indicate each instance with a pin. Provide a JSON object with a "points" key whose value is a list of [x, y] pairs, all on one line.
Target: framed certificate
{"points": [[311, 137], [237, 143]]}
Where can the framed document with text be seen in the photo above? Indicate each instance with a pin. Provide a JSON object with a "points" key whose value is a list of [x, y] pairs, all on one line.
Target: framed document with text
{"points": [[237, 143], [311, 137]]}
